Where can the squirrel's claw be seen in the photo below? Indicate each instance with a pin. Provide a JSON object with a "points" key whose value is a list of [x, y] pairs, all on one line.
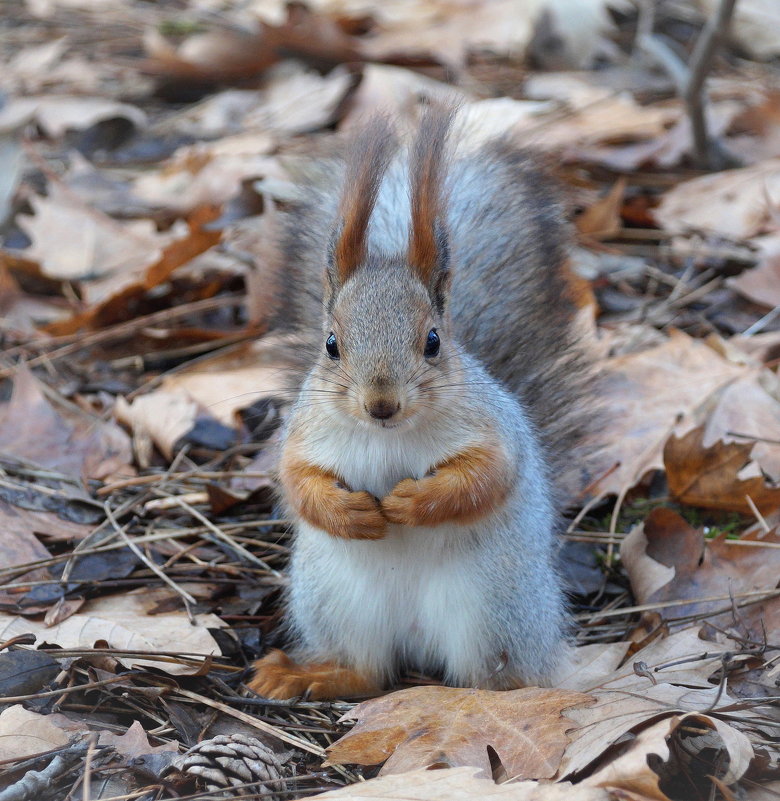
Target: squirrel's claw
{"points": [[277, 676]]}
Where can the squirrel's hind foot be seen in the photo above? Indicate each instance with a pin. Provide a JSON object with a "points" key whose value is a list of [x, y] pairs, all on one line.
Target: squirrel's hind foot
{"points": [[277, 676]]}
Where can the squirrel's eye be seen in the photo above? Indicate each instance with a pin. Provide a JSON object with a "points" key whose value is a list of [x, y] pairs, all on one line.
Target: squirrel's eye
{"points": [[432, 344], [331, 347]]}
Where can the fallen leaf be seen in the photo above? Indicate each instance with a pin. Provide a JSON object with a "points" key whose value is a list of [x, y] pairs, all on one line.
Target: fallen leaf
{"points": [[668, 560], [595, 114], [112, 297], [656, 752], [74, 242], [426, 726], [293, 101], [643, 396], [681, 658], [617, 713], [735, 203], [746, 411], [58, 114], [713, 477], [134, 743], [394, 91], [25, 672], [461, 784], [761, 283], [631, 769], [209, 173], [124, 623], [24, 733], [68, 441], [448, 31], [602, 219]]}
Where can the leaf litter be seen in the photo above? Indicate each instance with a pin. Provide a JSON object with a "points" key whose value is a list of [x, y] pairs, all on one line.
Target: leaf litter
{"points": [[150, 154]]}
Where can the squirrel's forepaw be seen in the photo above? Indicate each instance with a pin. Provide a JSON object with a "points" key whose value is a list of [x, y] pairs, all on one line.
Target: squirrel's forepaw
{"points": [[402, 504], [277, 676], [358, 516]]}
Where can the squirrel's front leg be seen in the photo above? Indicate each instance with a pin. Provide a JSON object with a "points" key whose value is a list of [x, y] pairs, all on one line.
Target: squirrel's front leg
{"points": [[323, 501], [462, 489]]}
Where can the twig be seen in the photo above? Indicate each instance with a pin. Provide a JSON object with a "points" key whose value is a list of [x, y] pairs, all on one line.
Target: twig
{"points": [[707, 44], [297, 742], [219, 533], [183, 594], [36, 783], [87, 779]]}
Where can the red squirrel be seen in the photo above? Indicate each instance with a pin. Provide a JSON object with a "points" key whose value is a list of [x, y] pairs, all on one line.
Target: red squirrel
{"points": [[419, 463]]}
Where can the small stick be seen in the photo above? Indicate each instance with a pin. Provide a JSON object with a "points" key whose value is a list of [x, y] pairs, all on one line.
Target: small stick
{"points": [[707, 44], [183, 594]]}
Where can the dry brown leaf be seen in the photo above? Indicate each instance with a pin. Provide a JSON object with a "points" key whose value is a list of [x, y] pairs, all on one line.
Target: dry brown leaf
{"points": [[761, 284], [461, 784], [74, 242], [602, 219], [631, 769], [294, 100], [113, 296], [426, 726], [616, 713], [24, 733], [655, 745], [394, 91], [681, 658], [746, 411], [134, 743], [58, 114], [70, 442], [644, 394], [714, 477], [448, 30], [226, 53], [668, 560], [208, 174], [124, 622], [596, 114], [736, 203]]}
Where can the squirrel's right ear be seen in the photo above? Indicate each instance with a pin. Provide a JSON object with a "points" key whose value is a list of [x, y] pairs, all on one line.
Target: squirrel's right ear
{"points": [[428, 246], [369, 155]]}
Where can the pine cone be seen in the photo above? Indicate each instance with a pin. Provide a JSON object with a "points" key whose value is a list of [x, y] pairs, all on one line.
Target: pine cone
{"points": [[229, 761]]}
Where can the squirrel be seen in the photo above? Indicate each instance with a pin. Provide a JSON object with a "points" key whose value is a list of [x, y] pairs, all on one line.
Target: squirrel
{"points": [[419, 462]]}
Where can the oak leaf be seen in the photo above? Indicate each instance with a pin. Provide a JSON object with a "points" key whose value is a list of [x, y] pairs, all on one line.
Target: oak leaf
{"points": [[461, 784], [668, 560], [713, 477], [447, 726]]}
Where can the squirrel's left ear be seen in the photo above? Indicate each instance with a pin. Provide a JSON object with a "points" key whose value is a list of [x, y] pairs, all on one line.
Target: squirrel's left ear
{"points": [[428, 243]]}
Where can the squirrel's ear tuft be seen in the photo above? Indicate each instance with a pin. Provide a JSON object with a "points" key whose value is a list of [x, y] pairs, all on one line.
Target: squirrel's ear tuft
{"points": [[428, 249], [369, 155]]}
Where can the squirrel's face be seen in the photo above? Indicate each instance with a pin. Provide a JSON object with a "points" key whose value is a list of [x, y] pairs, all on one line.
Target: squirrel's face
{"points": [[386, 351]]}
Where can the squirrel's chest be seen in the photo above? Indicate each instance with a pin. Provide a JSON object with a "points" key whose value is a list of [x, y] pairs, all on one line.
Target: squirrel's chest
{"points": [[375, 460]]}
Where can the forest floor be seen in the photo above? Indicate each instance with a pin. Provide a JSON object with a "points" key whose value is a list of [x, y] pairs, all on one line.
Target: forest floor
{"points": [[144, 151]]}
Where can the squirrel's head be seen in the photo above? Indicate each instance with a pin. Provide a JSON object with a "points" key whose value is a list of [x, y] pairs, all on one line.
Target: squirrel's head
{"points": [[387, 355]]}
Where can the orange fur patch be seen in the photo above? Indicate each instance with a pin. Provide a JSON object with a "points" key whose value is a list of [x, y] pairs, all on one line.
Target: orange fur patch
{"points": [[320, 499], [370, 154], [463, 489], [277, 676], [427, 202]]}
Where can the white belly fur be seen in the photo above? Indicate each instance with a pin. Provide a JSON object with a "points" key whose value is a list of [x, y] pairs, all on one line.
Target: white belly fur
{"points": [[414, 595]]}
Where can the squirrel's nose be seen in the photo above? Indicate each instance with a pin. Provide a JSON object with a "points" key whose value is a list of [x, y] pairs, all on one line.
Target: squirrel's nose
{"points": [[382, 409]]}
